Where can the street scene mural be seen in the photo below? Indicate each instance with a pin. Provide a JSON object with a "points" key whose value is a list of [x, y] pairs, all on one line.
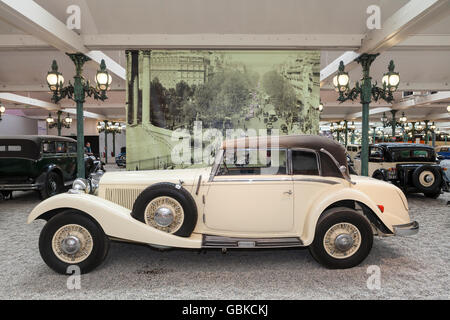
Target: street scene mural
{"points": [[172, 91]]}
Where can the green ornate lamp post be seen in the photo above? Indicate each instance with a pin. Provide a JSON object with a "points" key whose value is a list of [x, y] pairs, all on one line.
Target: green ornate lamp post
{"points": [[2, 110], [338, 129], [366, 91], [429, 129], [78, 92], [393, 123], [59, 124]]}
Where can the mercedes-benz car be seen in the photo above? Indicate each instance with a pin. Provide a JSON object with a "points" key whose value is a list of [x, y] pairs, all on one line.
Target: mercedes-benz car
{"points": [[288, 191]]}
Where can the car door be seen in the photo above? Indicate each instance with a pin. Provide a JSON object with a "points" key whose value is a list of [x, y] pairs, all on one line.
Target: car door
{"points": [[245, 199], [310, 185]]}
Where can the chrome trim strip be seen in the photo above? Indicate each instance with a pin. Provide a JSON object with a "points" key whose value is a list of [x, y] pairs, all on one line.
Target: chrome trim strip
{"points": [[210, 241], [316, 180], [253, 180]]}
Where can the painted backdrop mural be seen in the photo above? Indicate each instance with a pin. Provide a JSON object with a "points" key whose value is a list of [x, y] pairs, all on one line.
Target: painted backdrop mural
{"points": [[169, 90]]}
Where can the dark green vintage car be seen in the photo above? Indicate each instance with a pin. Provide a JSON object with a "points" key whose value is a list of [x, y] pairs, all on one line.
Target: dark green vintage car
{"points": [[46, 164]]}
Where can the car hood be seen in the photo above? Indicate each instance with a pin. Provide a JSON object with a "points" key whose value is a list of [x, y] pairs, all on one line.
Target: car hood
{"points": [[148, 177]]}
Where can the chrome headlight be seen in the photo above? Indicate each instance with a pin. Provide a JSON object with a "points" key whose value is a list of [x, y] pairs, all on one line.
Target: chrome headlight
{"points": [[81, 185]]}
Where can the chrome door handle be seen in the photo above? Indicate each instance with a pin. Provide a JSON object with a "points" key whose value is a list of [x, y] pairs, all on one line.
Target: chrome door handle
{"points": [[288, 192]]}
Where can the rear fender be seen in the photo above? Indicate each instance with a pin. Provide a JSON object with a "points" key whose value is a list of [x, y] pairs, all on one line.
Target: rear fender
{"points": [[323, 203], [115, 220]]}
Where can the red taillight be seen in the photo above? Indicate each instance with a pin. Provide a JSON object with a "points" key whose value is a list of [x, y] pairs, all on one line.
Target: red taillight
{"points": [[381, 207]]}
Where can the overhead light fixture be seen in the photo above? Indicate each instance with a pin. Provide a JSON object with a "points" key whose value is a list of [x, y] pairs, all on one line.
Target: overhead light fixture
{"points": [[2, 110], [320, 107]]}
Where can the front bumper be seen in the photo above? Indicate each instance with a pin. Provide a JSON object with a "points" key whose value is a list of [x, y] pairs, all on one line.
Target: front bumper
{"points": [[407, 229]]}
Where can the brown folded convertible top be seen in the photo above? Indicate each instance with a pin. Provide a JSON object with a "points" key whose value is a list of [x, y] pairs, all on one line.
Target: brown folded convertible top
{"points": [[313, 142]]}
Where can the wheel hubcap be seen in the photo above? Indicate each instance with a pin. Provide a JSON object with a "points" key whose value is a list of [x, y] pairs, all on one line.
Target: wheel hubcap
{"points": [[426, 178], [164, 217], [342, 240], [72, 243], [165, 214]]}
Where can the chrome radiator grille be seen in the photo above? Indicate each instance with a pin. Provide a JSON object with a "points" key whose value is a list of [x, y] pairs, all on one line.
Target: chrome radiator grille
{"points": [[124, 197]]}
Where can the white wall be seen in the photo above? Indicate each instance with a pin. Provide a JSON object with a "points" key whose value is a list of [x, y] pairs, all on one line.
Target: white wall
{"points": [[16, 125]]}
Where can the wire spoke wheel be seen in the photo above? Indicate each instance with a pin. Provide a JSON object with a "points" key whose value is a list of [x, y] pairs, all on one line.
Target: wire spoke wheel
{"points": [[342, 240], [72, 243], [165, 214]]}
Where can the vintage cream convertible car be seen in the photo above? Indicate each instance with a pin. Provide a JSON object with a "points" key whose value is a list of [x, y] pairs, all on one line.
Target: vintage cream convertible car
{"points": [[301, 195]]}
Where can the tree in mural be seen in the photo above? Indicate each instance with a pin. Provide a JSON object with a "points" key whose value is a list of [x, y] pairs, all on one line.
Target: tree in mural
{"points": [[282, 96], [158, 103]]}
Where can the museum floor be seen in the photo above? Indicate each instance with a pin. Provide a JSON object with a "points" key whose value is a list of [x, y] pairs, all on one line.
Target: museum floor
{"points": [[410, 268]]}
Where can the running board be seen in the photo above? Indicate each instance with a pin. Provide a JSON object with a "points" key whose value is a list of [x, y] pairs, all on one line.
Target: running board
{"points": [[209, 241]]}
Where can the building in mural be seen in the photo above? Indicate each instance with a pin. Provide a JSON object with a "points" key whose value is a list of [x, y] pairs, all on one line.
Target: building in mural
{"points": [[172, 67], [168, 90]]}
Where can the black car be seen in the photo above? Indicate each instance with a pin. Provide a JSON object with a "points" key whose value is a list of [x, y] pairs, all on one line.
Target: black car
{"points": [[412, 167], [46, 164]]}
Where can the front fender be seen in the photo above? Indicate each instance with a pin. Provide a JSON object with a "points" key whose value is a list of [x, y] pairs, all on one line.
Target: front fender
{"points": [[115, 220], [388, 218]]}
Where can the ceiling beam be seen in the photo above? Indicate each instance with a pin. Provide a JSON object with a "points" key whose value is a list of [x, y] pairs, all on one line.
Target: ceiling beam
{"points": [[86, 114], [411, 18], [222, 41], [15, 98], [319, 41], [422, 100], [34, 20]]}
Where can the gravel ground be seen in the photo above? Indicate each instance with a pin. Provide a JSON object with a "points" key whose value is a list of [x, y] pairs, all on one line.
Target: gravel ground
{"points": [[411, 268]]}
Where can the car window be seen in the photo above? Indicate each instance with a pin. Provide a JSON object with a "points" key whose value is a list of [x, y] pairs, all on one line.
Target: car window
{"points": [[60, 147], [305, 163], [2, 148], [410, 154], [15, 148], [444, 150], [375, 153], [72, 147], [48, 147], [253, 162], [329, 168]]}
